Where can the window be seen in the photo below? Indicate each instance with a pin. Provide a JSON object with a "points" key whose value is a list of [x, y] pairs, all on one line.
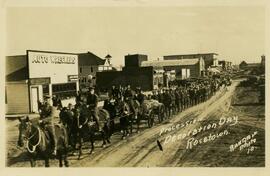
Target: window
{"points": [[80, 69], [45, 88], [64, 90], [100, 68], [91, 69]]}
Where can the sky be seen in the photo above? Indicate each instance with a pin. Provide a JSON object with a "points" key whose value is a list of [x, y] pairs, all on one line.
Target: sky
{"points": [[236, 33]]}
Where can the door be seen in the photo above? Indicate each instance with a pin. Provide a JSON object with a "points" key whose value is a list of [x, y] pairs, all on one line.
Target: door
{"points": [[188, 73], [34, 97]]}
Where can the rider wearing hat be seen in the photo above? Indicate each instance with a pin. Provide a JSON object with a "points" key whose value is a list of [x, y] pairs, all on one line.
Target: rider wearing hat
{"points": [[49, 116], [92, 101], [128, 93], [140, 96]]}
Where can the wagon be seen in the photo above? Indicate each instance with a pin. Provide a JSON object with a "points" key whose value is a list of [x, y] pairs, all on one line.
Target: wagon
{"points": [[151, 109]]}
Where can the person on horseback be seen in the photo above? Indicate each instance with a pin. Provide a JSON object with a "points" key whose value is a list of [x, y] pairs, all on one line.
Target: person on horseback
{"points": [[115, 92], [128, 93], [48, 118], [129, 99], [140, 96], [109, 105], [78, 97], [92, 101]]}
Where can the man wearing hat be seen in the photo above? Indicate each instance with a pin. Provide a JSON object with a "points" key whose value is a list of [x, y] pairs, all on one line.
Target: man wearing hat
{"points": [[140, 95], [49, 117], [128, 93], [92, 101]]}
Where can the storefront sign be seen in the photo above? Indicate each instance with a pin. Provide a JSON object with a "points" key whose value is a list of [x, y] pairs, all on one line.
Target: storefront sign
{"points": [[40, 58], [56, 66], [72, 78], [40, 81]]}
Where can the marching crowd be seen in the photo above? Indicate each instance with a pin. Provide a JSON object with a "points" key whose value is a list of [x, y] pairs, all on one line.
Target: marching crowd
{"points": [[176, 98]]}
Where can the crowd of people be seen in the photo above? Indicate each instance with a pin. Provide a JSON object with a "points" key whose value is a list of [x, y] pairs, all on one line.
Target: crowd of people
{"points": [[175, 99]]}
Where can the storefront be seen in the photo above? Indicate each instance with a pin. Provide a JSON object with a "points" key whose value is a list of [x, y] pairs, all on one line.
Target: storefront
{"points": [[46, 73], [52, 73]]}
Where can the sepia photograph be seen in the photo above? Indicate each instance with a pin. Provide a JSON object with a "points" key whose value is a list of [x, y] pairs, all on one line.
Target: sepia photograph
{"points": [[135, 86]]}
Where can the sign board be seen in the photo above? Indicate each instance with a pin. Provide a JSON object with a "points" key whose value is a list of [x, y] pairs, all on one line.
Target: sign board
{"points": [[56, 66], [73, 78], [40, 81]]}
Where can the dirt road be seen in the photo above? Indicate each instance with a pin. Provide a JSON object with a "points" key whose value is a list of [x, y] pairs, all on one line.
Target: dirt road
{"points": [[227, 130]]}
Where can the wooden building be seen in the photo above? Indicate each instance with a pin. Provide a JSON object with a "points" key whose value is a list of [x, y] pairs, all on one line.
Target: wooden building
{"points": [[32, 76]]}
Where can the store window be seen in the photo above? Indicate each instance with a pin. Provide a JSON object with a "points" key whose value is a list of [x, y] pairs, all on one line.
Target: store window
{"points": [[45, 88], [64, 90]]}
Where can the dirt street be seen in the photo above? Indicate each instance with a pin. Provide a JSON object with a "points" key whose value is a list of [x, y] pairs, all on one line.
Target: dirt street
{"points": [[226, 131]]}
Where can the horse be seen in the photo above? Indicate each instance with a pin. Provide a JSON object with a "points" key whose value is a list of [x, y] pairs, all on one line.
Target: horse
{"points": [[134, 114], [87, 127], [38, 142], [124, 113], [112, 106], [67, 118]]}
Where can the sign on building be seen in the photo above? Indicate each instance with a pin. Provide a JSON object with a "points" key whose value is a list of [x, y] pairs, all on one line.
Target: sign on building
{"points": [[56, 66]]}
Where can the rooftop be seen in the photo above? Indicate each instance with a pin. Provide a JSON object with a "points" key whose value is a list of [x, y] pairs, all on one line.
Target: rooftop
{"points": [[192, 54], [162, 63], [89, 58]]}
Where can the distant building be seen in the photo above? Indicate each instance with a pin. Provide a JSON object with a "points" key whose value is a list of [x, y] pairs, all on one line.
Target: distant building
{"points": [[139, 72], [134, 60], [210, 59], [226, 65], [89, 64], [132, 74], [248, 66], [184, 68]]}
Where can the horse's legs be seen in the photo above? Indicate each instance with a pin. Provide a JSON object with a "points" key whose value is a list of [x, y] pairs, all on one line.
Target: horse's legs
{"points": [[130, 121], [123, 125], [33, 161], [92, 143], [60, 158], [112, 126], [138, 123], [103, 138], [47, 162], [107, 133], [80, 147], [66, 160]]}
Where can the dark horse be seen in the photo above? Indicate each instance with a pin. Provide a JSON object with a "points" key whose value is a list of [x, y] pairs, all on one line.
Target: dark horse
{"points": [[87, 127], [68, 120], [39, 143], [128, 111]]}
